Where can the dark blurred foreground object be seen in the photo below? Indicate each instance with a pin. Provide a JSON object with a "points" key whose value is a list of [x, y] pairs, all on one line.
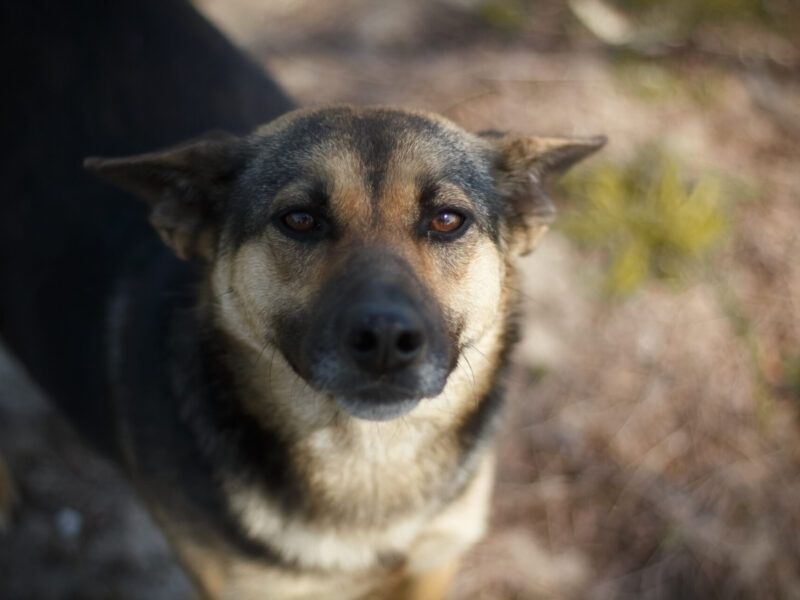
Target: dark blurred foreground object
{"points": [[86, 77], [8, 495], [96, 77]]}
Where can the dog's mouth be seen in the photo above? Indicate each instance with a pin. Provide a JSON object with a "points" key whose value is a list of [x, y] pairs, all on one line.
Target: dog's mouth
{"points": [[377, 398], [378, 403], [373, 398], [385, 398]]}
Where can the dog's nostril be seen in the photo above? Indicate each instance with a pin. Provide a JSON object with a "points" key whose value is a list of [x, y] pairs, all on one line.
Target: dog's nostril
{"points": [[363, 341], [409, 342]]}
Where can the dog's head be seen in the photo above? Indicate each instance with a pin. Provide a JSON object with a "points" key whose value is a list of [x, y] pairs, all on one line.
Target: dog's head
{"points": [[368, 247]]}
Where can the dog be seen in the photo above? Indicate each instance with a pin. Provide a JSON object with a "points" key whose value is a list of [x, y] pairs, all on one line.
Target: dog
{"points": [[303, 374]]}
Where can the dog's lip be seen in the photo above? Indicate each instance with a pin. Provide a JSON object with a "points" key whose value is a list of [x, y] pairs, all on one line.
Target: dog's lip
{"points": [[381, 392], [378, 401], [380, 410]]}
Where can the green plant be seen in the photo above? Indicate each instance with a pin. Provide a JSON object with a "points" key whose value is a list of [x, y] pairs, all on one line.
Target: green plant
{"points": [[647, 223], [691, 13], [653, 81], [503, 15], [790, 373], [675, 21]]}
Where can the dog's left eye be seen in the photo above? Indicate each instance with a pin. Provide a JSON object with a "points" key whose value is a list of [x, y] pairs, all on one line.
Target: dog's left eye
{"points": [[446, 223]]}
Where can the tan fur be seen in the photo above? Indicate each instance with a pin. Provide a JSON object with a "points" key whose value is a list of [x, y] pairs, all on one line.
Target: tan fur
{"points": [[428, 586], [210, 570]]}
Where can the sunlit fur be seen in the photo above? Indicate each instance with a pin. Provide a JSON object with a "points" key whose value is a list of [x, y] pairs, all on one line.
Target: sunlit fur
{"points": [[378, 505]]}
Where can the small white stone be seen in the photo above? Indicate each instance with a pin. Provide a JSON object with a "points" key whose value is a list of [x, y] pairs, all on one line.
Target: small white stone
{"points": [[69, 523]]}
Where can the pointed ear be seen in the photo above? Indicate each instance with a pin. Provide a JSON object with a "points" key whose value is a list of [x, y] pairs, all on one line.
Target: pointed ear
{"points": [[186, 187], [522, 166]]}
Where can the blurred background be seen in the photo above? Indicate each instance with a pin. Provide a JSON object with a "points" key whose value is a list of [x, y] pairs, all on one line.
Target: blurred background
{"points": [[651, 447]]}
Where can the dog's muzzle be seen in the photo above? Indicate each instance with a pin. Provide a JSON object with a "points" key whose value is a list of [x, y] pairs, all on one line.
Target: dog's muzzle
{"points": [[377, 343]]}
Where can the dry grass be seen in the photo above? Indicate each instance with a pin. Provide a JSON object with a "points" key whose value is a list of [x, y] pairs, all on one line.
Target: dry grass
{"points": [[652, 444]]}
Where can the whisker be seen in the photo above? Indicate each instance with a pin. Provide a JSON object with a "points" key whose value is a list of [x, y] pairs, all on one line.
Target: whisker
{"points": [[471, 371], [476, 349], [269, 369]]}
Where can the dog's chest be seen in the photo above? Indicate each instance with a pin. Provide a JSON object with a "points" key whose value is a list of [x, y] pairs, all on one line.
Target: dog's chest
{"points": [[374, 492], [349, 563]]}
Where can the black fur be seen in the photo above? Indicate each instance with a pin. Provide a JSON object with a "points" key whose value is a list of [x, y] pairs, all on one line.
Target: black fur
{"points": [[95, 77], [174, 398]]}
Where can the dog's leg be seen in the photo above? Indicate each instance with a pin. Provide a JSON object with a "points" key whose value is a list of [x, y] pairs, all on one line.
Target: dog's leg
{"points": [[431, 585], [8, 495], [207, 569]]}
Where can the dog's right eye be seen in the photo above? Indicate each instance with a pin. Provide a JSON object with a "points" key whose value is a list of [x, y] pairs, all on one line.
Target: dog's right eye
{"points": [[299, 221], [302, 224]]}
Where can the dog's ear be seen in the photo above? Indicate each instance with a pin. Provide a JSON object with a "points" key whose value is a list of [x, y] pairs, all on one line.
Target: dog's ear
{"points": [[186, 187], [522, 166]]}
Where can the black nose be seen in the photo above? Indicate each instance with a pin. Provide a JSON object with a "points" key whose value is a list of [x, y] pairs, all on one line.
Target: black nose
{"points": [[383, 339]]}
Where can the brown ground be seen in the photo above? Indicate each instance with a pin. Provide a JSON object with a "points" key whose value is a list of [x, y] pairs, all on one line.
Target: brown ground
{"points": [[652, 446]]}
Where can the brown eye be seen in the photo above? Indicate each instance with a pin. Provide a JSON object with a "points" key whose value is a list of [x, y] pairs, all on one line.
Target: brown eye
{"points": [[446, 222], [299, 221]]}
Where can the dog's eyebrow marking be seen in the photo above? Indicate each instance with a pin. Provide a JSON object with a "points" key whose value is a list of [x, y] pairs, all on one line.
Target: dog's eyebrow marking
{"points": [[435, 195], [310, 193], [428, 190], [315, 192], [319, 193]]}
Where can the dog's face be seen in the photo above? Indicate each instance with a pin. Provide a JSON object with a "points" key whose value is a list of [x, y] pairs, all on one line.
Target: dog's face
{"points": [[368, 247]]}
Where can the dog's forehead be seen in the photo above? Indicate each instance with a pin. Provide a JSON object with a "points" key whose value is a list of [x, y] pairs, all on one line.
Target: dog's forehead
{"points": [[379, 140], [371, 152], [368, 130]]}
